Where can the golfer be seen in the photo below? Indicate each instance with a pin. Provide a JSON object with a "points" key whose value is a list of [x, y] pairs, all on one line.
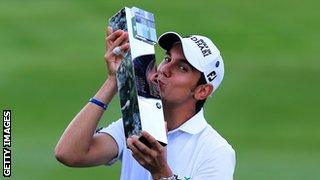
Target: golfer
{"points": [[191, 71]]}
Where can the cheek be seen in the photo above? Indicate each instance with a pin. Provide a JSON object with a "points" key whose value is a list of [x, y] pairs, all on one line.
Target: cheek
{"points": [[183, 85]]}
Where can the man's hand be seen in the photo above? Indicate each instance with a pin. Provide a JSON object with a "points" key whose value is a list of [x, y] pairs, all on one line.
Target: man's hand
{"points": [[154, 159], [115, 39]]}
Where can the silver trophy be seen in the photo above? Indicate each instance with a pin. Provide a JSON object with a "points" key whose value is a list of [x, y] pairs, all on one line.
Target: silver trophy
{"points": [[140, 102]]}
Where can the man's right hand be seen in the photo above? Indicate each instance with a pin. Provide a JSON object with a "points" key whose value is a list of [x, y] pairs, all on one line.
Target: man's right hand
{"points": [[118, 38]]}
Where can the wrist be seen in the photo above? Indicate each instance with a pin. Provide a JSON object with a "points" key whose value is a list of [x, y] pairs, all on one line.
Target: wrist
{"points": [[111, 84], [163, 175], [98, 103], [112, 77], [107, 90], [172, 177]]}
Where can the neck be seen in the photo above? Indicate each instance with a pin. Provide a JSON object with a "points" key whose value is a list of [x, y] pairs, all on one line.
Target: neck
{"points": [[175, 115]]}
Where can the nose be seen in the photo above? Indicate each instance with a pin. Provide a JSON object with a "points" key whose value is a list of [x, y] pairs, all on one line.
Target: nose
{"points": [[165, 69], [154, 78]]}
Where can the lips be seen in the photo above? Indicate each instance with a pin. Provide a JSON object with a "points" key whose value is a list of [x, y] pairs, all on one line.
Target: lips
{"points": [[161, 83]]}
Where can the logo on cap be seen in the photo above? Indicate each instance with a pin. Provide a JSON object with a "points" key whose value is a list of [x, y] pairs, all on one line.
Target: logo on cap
{"points": [[202, 45], [217, 63], [211, 76]]}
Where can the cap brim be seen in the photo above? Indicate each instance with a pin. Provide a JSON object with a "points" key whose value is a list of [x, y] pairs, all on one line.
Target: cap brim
{"points": [[167, 40]]}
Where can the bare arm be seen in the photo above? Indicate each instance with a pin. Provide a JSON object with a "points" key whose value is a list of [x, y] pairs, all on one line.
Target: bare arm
{"points": [[78, 146]]}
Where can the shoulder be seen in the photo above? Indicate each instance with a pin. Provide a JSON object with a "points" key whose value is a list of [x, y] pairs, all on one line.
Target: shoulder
{"points": [[115, 130], [114, 125], [214, 139], [217, 155], [215, 145]]}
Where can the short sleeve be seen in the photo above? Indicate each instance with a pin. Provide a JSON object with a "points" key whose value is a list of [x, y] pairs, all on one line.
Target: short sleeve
{"points": [[115, 130], [219, 166]]}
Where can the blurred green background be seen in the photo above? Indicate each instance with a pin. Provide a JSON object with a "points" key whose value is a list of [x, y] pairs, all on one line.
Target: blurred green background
{"points": [[51, 63]]}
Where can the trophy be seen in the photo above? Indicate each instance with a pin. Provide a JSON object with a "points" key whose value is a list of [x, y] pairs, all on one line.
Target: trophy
{"points": [[140, 101]]}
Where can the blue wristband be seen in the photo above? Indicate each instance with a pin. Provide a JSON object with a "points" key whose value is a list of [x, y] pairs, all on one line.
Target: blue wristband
{"points": [[98, 103]]}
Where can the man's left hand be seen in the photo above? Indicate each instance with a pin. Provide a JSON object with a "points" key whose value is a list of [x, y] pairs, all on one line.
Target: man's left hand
{"points": [[154, 159]]}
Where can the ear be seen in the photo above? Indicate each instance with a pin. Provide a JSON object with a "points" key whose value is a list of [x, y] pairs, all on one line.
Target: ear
{"points": [[203, 91]]}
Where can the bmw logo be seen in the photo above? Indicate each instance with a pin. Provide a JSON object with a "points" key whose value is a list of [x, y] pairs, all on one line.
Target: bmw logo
{"points": [[158, 105]]}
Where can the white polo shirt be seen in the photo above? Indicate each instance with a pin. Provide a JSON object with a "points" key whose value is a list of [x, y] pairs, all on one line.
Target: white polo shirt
{"points": [[194, 151]]}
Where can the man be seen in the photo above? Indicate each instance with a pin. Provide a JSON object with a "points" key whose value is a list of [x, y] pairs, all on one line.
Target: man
{"points": [[190, 72]]}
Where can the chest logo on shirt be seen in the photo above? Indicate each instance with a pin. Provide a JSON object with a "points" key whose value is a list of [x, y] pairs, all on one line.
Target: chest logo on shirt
{"points": [[187, 178]]}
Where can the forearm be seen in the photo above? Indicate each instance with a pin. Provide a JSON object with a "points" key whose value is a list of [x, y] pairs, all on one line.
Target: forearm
{"points": [[107, 91], [77, 138]]}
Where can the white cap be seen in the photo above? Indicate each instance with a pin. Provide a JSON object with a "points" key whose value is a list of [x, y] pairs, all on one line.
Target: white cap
{"points": [[200, 52]]}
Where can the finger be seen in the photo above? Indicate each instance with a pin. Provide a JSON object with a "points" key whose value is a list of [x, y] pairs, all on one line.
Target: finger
{"points": [[120, 51], [109, 31], [119, 41], [135, 151], [125, 47], [113, 36], [125, 40], [141, 147], [140, 158], [153, 142], [131, 146]]}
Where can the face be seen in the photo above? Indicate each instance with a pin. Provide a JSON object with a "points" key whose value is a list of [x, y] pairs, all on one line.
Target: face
{"points": [[151, 74], [176, 77]]}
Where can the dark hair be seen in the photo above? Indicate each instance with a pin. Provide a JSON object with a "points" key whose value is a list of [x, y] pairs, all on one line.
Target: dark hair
{"points": [[200, 103]]}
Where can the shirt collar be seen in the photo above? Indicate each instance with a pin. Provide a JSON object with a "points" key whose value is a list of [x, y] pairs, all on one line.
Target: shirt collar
{"points": [[194, 125]]}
